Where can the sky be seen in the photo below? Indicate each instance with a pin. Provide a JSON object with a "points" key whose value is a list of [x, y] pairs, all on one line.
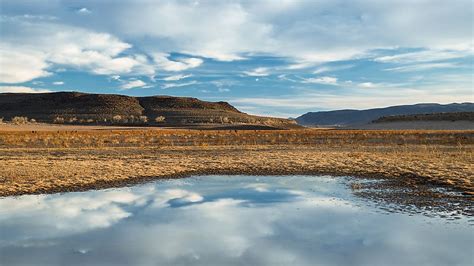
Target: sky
{"points": [[266, 57]]}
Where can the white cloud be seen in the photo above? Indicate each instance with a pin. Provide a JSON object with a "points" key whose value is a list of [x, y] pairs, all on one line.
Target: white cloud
{"points": [[286, 78], [322, 80], [258, 72], [300, 65], [321, 70], [367, 85], [422, 67], [18, 66], [29, 48], [176, 77], [132, 84], [162, 61], [174, 85], [423, 56], [331, 68], [347, 84], [214, 29], [306, 31], [21, 89], [84, 11], [58, 83], [310, 31]]}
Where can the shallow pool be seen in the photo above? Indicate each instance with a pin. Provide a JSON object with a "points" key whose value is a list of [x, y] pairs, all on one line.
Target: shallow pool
{"points": [[226, 220]]}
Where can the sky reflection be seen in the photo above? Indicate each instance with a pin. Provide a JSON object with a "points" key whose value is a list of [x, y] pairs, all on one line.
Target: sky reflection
{"points": [[216, 220]]}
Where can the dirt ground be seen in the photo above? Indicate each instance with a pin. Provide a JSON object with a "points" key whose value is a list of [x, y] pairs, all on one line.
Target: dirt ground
{"points": [[60, 127]]}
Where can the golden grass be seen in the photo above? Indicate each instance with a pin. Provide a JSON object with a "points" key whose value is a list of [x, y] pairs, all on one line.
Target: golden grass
{"points": [[182, 137], [54, 161]]}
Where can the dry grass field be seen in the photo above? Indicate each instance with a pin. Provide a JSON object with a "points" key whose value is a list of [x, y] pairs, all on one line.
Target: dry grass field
{"points": [[47, 161]]}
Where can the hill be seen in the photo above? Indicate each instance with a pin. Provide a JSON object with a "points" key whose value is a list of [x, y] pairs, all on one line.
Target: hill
{"points": [[351, 118], [433, 121], [109, 109], [457, 116]]}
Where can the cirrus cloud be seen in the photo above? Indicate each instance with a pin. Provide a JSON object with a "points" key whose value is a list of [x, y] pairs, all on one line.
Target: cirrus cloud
{"points": [[162, 61], [258, 72], [175, 85], [176, 77], [132, 84], [322, 80]]}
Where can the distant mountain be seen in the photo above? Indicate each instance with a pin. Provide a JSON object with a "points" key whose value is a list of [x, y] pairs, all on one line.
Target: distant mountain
{"points": [[104, 109], [360, 117], [456, 116]]}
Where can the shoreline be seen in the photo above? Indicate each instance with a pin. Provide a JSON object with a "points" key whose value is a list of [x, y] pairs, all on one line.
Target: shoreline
{"points": [[414, 181], [57, 170], [134, 181]]}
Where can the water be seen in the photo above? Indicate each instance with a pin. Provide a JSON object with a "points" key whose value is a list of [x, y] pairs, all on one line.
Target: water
{"points": [[221, 220]]}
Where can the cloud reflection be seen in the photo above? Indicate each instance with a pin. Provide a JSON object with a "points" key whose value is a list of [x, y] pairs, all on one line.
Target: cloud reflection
{"points": [[223, 221]]}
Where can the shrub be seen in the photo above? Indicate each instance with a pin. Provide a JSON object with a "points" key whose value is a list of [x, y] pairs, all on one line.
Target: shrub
{"points": [[160, 119], [269, 122], [117, 118], [17, 120], [143, 119], [58, 120]]}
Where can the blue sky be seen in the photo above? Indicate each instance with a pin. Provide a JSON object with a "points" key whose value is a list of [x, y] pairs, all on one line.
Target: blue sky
{"points": [[267, 57]]}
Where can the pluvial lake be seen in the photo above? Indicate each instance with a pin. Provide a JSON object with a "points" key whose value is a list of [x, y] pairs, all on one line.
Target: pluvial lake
{"points": [[227, 220]]}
